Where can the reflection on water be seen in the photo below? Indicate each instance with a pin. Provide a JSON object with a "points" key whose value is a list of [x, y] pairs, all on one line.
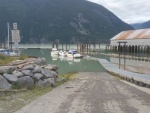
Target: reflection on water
{"points": [[65, 64], [132, 65], [54, 57]]}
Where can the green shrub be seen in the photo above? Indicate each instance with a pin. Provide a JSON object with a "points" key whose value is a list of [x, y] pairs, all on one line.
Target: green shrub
{"points": [[16, 86]]}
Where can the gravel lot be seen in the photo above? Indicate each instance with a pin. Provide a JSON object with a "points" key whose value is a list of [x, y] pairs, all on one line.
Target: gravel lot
{"points": [[93, 93]]}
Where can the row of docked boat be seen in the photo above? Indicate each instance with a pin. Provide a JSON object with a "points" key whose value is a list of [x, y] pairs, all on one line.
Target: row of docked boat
{"points": [[70, 53], [7, 52]]}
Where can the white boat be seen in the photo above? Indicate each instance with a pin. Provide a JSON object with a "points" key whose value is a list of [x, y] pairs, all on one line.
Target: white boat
{"points": [[62, 53], [54, 51], [7, 52], [77, 55], [74, 54]]}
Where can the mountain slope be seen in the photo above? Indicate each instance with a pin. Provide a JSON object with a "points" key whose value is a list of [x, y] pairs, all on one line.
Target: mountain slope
{"points": [[136, 25], [43, 21], [145, 24], [141, 25]]}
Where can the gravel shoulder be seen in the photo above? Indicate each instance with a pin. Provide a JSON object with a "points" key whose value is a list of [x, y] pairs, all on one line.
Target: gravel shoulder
{"points": [[92, 92]]}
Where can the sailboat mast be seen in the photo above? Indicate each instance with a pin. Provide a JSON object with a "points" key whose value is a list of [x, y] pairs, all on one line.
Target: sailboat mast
{"points": [[8, 35]]}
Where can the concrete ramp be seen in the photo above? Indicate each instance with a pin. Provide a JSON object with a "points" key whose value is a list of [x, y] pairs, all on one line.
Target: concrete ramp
{"points": [[141, 79]]}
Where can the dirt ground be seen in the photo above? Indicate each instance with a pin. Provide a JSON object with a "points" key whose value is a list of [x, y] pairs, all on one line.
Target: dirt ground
{"points": [[93, 92]]}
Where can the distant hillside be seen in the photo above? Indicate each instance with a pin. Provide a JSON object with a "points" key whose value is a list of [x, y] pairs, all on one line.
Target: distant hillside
{"points": [[146, 24], [136, 25], [141, 25], [44, 21]]}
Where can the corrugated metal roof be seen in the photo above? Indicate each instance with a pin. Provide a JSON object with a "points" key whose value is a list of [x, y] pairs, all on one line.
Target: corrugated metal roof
{"points": [[133, 34]]}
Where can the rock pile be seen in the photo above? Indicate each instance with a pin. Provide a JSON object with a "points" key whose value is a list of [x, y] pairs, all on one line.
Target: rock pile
{"points": [[28, 72]]}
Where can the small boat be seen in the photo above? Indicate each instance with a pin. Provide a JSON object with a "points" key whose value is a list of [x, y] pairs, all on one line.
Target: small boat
{"points": [[74, 54], [54, 51], [62, 53], [7, 52]]}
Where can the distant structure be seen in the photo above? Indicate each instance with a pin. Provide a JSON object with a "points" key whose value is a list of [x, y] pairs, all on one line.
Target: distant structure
{"points": [[133, 41], [15, 36]]}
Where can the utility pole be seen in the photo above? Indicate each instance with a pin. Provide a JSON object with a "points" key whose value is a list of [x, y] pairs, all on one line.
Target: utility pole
{"points": [[8, 35]]}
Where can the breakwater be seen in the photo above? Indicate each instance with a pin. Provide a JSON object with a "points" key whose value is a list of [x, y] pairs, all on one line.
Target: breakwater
{"points": [[28, 72]]}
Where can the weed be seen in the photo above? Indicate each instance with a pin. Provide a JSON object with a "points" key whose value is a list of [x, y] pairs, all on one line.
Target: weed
{"points": [[16, 86]]}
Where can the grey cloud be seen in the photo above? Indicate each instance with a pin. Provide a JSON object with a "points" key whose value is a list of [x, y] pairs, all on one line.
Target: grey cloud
{"points": [[130, 11]]}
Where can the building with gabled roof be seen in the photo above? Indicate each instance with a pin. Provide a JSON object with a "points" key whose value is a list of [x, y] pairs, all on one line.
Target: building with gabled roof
{"points": [[133, 37], [134, 40]]}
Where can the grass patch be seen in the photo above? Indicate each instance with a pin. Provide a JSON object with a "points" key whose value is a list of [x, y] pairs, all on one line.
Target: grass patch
{"points": [[34, 93], [13, 102], [4, 60], [23, 56], [68, 76], [65, 78]]}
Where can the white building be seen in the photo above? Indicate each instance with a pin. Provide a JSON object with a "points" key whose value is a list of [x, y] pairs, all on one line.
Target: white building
{"points": [[135, 40], [132, 37]]}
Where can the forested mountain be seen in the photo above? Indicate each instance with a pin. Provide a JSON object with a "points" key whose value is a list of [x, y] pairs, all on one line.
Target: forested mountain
{"points": [[141, 25], [44, 21], [136, 25]]}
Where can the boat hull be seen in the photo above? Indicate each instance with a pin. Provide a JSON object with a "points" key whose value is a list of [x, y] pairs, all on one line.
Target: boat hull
{"points": [[54, 51], [62, 53]]}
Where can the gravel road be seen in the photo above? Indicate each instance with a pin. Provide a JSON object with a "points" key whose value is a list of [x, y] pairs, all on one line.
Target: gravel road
{"points": [[93, 92]]}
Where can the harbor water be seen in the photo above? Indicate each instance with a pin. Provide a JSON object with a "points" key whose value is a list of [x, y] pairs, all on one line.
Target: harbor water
{"points": [[66, 65]]}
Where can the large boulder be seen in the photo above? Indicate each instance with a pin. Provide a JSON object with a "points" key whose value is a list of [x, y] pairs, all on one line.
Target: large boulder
{"points": [[25, 81], [37, 76], [46, 73], [27, 72], [11, 78], [42, 83], [17, 73], [4, 84], [7, 69], [55, 75], [39, 61], [28, 67], [37, 69], [52, 81], [51, 67]]}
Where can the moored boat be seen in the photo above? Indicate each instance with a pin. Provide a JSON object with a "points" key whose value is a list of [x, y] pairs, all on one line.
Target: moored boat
{"points": [[74, 54], [62, 53], [7, 52], [54, 51]]}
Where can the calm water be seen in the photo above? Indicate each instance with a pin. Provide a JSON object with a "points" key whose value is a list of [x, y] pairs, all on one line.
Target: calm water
{"points": [[83, 65], [66, 65]]}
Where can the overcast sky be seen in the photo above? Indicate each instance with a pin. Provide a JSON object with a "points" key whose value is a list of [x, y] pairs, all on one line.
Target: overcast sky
{"points": [[130, 11]]}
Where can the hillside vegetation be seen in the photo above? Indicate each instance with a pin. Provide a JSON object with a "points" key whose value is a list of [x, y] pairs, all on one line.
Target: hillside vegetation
{"points": [[71, 21], [143, 25]]}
